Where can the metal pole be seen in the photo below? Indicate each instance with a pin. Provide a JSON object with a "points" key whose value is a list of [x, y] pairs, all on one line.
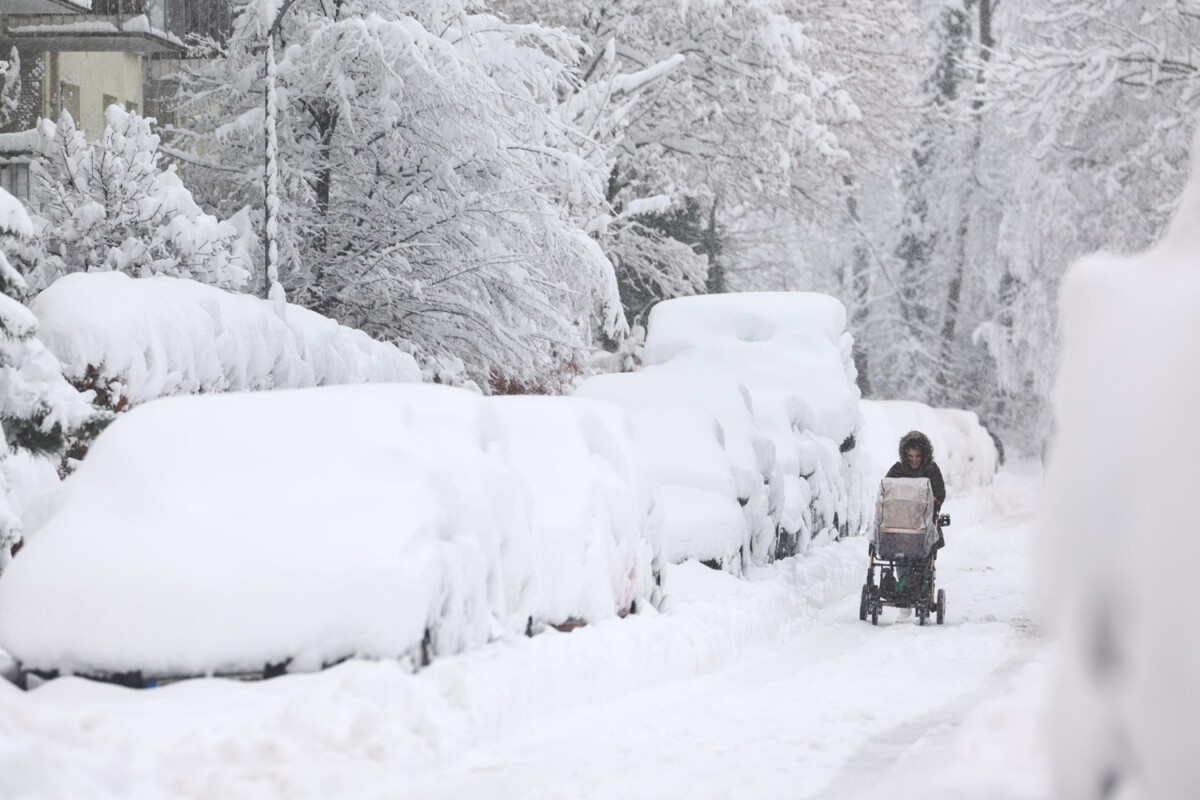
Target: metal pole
{"points": [[271, 176]]}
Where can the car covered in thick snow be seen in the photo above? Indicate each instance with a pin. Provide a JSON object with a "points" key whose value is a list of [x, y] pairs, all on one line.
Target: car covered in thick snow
{"points": [[277, 531], [790, 354]]}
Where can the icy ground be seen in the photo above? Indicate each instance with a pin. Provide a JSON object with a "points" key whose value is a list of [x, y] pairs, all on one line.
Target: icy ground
{"points": [[764, 688]]}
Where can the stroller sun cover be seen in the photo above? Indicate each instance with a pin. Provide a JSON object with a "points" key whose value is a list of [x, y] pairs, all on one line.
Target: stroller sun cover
{"points": [[905, 527]]}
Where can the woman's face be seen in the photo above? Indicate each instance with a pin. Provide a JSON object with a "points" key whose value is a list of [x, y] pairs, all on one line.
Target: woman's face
{"points": [[913, 456]]}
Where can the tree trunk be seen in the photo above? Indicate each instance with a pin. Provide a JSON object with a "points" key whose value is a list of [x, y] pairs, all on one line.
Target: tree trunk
{"points": [[860, 285], [710, 245], [954, 292]]}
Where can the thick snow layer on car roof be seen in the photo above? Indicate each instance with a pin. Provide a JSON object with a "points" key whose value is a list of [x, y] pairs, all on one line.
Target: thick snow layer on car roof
{"points": [[790, 347], [727, 401], [162, 336], [226, 532]]}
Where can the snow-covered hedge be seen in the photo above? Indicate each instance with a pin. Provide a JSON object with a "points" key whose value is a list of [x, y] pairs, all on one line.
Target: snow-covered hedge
{"points": [[137, 339], [788, 352], [703, 475], [1121, 540], [963, 448], [227, 532]]}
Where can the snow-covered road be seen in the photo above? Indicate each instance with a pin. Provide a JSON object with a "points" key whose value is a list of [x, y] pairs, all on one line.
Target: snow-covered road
{"points": [[832, 708], [762, 688]]}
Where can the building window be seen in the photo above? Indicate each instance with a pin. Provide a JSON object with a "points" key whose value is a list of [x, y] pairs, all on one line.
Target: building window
{"points": [[109, 100], [68, 99], [156, 10], [14, 179]]}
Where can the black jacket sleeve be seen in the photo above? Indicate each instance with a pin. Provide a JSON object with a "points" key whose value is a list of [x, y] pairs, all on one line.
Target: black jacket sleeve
{"points": [[897, 471], [938, 485]]}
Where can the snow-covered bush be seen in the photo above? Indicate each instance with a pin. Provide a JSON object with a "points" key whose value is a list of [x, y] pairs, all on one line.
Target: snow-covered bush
{"points": [[227, 532], [137, 339], [790, 352], [964, 450], [111, 204], [697, 492], [1121, 543], [693, 398], [38, 408]]}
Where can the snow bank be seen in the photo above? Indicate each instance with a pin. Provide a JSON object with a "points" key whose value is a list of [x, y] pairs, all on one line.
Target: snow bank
{"points": [[1121, 533], [791, 355], [228, 532], [156, 337], [700, 438], [962, 447]]}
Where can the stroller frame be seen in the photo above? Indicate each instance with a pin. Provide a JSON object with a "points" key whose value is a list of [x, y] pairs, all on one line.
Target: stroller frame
{"points": [[926, 600]]}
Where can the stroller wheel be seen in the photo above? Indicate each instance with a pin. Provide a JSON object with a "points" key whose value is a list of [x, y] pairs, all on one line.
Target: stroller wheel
{"points": [[875, 612], [941, 607], [864, 601]]}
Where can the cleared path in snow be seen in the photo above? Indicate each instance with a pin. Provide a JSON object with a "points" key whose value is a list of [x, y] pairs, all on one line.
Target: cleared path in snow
{"points": [[832, 708]]}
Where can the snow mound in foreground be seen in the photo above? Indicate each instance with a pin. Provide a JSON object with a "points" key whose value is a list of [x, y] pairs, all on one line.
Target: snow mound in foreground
{"points": [[227, 532], [1121, 533], [156, 337], [962, 447]]}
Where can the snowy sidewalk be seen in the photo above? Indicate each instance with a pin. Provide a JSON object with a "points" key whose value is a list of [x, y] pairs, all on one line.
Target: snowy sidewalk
{"points": [[762, 688]]}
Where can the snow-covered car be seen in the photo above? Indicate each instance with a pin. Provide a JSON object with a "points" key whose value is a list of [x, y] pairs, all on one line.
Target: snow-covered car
{"points": [[696, 495], [272, 531], [792, 355]]}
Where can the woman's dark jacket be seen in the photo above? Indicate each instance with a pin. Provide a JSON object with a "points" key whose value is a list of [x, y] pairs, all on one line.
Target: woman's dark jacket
{"points": [[928, 469]]}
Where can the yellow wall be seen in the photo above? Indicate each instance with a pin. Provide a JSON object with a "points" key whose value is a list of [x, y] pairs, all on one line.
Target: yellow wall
{"points": [[96, 74]]}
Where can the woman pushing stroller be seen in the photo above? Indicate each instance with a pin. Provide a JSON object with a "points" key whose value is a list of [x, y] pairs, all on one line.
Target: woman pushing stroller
{"points": [[908, 535], [916, 461]]}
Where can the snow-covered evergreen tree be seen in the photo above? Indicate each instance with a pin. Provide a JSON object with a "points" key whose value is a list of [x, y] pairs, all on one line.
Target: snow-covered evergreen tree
{"points": [[112, 204], [10, 87], [39, 409]]}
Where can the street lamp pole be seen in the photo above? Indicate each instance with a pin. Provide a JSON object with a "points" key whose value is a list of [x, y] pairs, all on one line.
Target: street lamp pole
{"points": [[271, 173]]}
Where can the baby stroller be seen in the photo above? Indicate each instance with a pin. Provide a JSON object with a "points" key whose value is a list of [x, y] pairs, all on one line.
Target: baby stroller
{"points": [[904, 547]]}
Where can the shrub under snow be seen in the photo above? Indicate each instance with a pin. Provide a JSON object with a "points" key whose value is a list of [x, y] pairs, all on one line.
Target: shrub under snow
{"points": [[144, 338], [38, 408], [226, 532]]}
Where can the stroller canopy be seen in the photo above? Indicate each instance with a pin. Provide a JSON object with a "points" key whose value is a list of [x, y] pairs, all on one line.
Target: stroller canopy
{"points": [[904, 518]]}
